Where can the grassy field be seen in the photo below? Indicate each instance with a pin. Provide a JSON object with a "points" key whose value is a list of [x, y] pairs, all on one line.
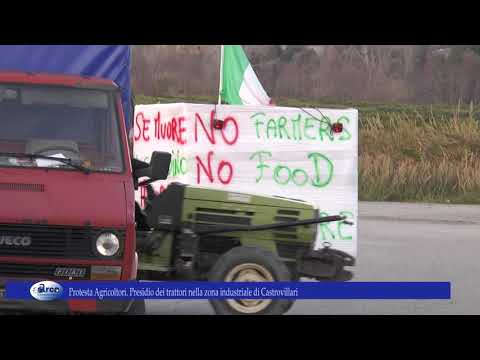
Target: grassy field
{"points": [[405, 160], [407, 152], [367, 110]]}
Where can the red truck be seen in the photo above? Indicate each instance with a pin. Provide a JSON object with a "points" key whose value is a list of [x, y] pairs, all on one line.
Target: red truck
{"points": [[67, 207]]}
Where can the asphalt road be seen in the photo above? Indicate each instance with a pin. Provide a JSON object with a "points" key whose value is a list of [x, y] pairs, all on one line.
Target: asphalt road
{"points": [[398, 242]]}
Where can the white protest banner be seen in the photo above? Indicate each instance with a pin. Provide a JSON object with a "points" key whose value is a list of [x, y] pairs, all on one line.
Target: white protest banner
{"points": [[264, 150]]}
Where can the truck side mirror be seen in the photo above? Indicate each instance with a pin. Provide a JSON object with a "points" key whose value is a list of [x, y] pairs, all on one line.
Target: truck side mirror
{"points": [[160, 165], [157, 170]]}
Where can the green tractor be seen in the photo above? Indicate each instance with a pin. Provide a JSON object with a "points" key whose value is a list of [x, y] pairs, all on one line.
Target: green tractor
{"points": [[193, 233]]}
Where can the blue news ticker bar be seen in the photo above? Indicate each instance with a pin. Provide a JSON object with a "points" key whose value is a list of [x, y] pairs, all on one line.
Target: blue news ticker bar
{"points": [[239, 290]]}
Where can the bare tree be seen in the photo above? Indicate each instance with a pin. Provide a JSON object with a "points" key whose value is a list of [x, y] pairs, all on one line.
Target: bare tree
{"points": [[414, 73]]}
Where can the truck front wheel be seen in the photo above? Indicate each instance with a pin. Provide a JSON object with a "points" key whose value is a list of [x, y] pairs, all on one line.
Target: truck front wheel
{"points": [[249, 264]]}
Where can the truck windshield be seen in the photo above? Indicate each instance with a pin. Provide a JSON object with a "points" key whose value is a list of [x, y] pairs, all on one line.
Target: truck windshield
{"points": [[80, 125]]}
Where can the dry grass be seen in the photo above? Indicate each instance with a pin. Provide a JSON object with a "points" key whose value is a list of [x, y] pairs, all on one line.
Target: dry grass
{"points": [[405, 159]]}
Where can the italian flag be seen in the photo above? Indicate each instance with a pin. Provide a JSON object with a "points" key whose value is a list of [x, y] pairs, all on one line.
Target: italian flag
{"points": [[239, 84]]}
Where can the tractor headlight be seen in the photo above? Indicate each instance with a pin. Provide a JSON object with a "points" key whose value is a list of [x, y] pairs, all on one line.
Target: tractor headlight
{"points": [[107, 244]]}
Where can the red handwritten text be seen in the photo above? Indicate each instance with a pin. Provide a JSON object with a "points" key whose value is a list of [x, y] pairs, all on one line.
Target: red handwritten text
{"points": [[142, 125], [171, 130], [210, 132], [224, 169]]}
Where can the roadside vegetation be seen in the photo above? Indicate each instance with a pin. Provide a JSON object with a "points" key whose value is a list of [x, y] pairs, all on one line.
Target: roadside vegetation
{"points": [[407, 152], [407, 159]]}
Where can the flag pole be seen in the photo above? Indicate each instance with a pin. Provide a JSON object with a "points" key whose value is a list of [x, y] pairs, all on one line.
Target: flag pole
{"points": [[221, 76]]}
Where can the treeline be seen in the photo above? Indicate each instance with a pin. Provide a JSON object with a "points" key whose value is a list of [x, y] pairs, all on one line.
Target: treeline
{"points": [[379, 73]]}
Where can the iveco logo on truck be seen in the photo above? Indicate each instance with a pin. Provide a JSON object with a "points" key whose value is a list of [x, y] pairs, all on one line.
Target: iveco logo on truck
{"points": [[6, 240]]}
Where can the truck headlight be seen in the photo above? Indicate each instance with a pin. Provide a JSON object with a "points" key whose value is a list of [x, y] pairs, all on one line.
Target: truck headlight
{"points": [[107, 244]]}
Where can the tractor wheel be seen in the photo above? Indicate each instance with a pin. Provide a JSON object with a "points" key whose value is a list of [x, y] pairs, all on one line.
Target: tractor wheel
{"points": [[137, 307], [250, 264]]}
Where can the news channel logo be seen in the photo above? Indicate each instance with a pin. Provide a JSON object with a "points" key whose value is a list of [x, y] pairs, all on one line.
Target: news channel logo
{"points": [[46, 290]]}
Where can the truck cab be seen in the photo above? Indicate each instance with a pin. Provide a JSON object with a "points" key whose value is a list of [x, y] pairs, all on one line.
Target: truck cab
{"points": [[72, 218], [67, 207]]}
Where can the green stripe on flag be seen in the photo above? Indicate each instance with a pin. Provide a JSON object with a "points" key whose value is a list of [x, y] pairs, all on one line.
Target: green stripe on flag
{"points": [[235, 62]]}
